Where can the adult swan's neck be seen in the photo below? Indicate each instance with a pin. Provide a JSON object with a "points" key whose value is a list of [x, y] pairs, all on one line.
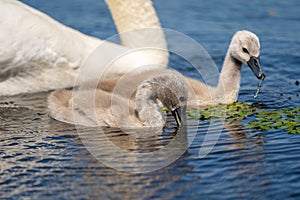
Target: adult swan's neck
{"points": [[143, 41], [138, 26], [132, 15]]}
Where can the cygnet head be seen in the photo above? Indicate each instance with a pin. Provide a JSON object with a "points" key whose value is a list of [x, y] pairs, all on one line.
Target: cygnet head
{"points": [[245, 47], [170, 89]]}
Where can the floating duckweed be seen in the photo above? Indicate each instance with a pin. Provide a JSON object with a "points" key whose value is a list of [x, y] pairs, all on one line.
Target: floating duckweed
{"points": [[285, 118], [235, 111], [164, 109]]}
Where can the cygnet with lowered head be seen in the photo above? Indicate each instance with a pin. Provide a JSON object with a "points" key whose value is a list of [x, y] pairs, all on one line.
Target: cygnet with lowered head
{"points": [[129, 102], [244, 49]]}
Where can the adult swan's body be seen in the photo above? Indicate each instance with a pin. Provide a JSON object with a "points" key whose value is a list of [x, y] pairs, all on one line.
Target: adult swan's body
{"points": [[38, 53]]}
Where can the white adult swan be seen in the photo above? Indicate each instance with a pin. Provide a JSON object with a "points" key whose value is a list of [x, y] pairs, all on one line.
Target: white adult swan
{"points": [[38, 53], [134, 102]]}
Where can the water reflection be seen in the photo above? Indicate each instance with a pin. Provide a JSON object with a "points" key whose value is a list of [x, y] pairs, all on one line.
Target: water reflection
{"points": [[113, 183], [44, 158], [37, 152], [246, 158], [131, 153]]}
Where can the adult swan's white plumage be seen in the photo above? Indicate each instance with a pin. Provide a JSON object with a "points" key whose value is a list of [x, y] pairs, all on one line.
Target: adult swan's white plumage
{"points": [[38, 53]]}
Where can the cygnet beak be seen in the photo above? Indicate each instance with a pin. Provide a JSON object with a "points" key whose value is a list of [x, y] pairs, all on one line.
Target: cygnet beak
{"points": [[254, 64], [178, 114]]}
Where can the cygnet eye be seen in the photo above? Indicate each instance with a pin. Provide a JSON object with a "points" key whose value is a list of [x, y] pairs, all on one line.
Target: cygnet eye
{"points": [[245, 50]]}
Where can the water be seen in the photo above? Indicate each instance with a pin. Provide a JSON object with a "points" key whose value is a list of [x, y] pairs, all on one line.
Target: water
{"points": [[45, 159]]}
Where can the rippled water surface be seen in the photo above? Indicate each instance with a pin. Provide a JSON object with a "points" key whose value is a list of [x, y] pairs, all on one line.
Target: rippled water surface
{"points": [[45, 159]]}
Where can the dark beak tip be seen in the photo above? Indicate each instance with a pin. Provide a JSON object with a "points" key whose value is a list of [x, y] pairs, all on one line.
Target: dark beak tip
{"points": [[179, 116], [262, 76], [254, 64]]}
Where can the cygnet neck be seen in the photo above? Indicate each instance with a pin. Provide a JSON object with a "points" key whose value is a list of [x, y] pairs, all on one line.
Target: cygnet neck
{"points": [[146, 105], [229, 81]]}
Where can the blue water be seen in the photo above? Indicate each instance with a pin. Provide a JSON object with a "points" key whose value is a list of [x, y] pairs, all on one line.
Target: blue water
{"points": [[45, 159]]}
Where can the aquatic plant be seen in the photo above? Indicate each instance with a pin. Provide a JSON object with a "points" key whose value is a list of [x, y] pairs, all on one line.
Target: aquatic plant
{"points": [[259, 118]]}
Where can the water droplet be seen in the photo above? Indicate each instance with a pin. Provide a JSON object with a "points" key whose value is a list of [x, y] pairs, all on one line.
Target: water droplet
{"points": [[258, 88]]}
